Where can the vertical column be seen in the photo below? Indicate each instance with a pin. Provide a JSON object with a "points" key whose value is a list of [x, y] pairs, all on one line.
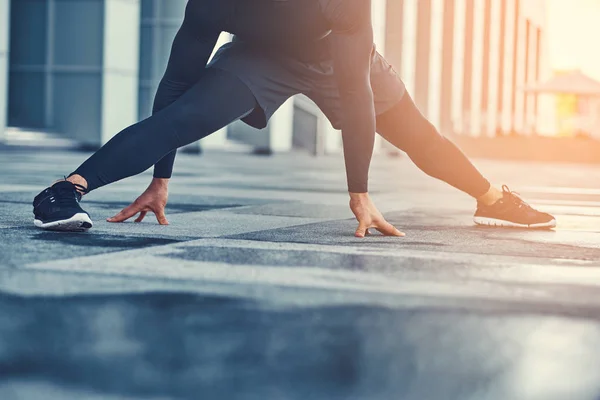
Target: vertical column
{"points": [[423, 55], [509, 60], [435, 67], [485, 67], [516, 18], [526, 73], [467, 106], [28, 69], [532, 62], [120, 62], [409, 49], [394, 27], [494, 52], [281, 128], [477, 69], [521, 76], [458, 66], [50, 63], [4, 32], [538, 62], [501, 68], [447, 72]]}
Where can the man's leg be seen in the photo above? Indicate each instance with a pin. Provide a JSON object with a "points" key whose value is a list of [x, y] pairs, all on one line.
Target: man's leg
{"points": [[406, 128], [218, 99]]}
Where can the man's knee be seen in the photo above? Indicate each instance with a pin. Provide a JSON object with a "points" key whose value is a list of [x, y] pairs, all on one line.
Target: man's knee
{"points": [[168, 92]]}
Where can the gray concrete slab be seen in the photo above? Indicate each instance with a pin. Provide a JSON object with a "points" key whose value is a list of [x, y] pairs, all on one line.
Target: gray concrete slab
{"points": [[258, 289]]}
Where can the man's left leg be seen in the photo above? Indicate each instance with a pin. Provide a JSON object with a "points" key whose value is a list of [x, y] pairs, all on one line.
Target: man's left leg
{"points": [[407, 129]]}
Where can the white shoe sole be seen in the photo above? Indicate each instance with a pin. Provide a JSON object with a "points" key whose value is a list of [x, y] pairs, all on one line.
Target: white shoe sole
{"points": [[77, 223], [507, 224]]}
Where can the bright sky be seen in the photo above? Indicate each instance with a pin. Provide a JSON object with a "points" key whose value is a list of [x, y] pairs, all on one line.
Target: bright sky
{"points": [[573, 32]]}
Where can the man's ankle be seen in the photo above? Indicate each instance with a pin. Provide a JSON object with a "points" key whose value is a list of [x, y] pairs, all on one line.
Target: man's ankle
{"points": [[490, 197], [78, 180]]}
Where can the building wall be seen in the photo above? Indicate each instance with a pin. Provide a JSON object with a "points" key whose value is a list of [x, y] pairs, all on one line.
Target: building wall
{"points": [[4, 31], [466, 62], [73, 67], [87, 69], [120, 72]]}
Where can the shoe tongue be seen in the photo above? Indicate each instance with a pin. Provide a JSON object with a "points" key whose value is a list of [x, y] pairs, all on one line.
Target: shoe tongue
{"points": [[64, 187]]}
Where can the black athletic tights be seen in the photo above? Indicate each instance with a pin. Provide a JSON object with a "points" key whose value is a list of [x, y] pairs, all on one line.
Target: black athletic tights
{"points": [[216, 100], [406, 128], [220, 98]]}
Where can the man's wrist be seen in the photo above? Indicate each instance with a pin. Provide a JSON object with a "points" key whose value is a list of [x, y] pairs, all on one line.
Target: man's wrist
{"points": [[357, 198], [160, 182]]}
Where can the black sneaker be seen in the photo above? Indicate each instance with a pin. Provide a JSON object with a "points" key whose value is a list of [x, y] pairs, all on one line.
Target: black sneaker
{"points": [[57, 208], [512, 211]]}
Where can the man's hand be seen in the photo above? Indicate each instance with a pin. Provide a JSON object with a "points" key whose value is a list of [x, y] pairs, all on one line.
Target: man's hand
{"points": [[368, 216], [154, 199]]}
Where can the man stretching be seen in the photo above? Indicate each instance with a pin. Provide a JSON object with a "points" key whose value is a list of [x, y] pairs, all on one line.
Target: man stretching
{"points": [[322, 48]]}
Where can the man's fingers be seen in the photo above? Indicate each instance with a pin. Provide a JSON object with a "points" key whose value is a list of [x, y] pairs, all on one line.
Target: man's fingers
{"points": [[361, 232], [125, 214], [388, 229], [161, 218], [141, 216]]}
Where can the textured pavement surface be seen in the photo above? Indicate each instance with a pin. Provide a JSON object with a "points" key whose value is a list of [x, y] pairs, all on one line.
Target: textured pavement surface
{"points": [[258, 290]]}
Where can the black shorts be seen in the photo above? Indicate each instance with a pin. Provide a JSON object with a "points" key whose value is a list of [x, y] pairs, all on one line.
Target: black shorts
{"points": [[273, 79]]}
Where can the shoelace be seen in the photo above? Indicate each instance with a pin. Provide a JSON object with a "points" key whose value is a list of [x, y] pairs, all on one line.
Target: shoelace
{"points": [[81, 189], [516, 198]]}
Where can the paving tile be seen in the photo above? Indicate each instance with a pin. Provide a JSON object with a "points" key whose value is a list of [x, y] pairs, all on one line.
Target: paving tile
{"points": [[27, 245]]}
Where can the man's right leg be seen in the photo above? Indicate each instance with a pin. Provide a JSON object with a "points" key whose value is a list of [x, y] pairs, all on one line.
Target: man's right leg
{"points": [[218, 99]]}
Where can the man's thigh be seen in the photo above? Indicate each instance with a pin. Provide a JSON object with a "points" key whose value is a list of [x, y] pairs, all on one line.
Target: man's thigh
{"points": [[272, 79]]}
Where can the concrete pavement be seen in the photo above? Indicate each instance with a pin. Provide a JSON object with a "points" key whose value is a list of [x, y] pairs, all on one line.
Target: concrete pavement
{"points": [[257, 289]]}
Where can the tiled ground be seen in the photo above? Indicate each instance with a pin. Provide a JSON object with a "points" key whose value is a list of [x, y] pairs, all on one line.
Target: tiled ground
{"points": [[257, 289]]}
